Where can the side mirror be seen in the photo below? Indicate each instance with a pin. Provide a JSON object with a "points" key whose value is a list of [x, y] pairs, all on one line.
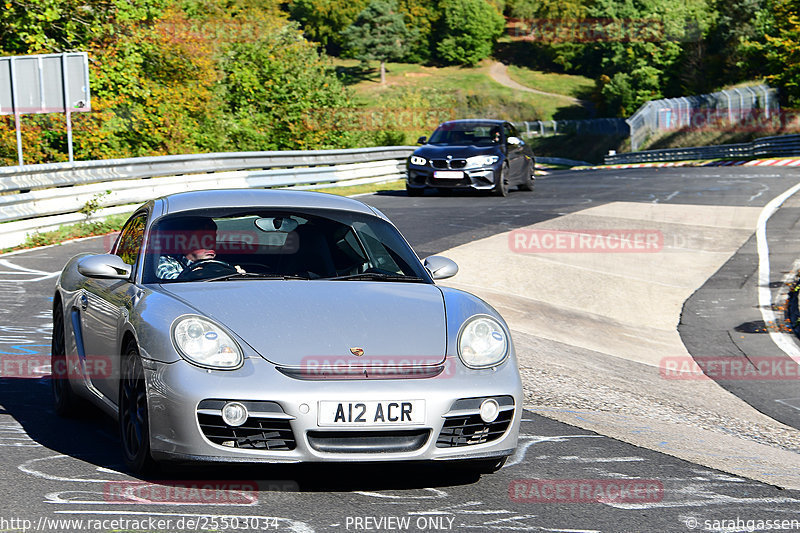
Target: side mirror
{"points": [[514, 141], [104, 266], [440, 267], [422, 140]]}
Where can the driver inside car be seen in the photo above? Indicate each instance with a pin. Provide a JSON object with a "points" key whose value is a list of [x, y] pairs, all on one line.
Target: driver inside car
{"points": [[186, 240]]}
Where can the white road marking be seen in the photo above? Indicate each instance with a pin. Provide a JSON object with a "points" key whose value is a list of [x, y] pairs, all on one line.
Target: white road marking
{"points": [[27, 467], [522, 449], [764, 188], [781, 340], [436, 493], [21, 270], [14, 435], [786, 401], [715, 499], [59, 497]]}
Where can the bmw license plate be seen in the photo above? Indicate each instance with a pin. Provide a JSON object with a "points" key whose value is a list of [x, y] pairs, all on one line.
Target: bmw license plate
{"points": [[371, 413], [447, 175]]}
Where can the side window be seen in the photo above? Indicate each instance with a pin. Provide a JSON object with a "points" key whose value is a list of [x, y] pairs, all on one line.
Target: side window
{"points": [[130, 240], [509, 131]]}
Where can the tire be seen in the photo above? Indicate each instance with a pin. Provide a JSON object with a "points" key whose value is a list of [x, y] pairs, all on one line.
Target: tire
{"points": [[65, 402], [530, 181], [501, 187], [415, 191], [134, 422]]}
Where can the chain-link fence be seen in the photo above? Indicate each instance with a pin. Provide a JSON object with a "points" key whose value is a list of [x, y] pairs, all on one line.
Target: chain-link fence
{"points": [[731, 106], [596, 126]]}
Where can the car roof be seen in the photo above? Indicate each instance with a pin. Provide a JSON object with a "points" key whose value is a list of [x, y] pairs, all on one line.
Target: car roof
{"points": [[487, 121], [188, 201]]}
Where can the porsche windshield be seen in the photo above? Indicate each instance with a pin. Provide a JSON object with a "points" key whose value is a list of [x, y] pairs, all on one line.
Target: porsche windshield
{"points": [[258, 243], [466, 134]]}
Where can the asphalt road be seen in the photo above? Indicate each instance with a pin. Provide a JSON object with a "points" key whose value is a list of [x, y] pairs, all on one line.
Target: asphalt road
{"points": [[54, 469]]}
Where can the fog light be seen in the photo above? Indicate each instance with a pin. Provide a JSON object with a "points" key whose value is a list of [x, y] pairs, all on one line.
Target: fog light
{"points": [[235, 414], [489, 411]]}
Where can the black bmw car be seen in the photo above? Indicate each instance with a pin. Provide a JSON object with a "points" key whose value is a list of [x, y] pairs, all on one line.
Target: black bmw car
{"points": [[486, 155]]}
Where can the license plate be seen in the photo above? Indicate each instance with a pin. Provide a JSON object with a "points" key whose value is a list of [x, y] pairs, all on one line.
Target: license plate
{"points": [[447, 175], [371, 413]]}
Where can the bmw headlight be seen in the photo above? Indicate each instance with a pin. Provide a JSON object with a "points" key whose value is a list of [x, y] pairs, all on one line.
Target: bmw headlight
{"points": [[482, 342], [417, 160], [481, 161], [205, 344]]}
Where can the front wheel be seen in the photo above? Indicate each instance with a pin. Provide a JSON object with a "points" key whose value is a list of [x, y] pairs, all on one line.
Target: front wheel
{"points": [[65, 402], [134, 422], [530, 180], [501, 187]]}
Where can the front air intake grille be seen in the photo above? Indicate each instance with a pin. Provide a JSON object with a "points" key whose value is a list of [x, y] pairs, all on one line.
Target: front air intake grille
{"points": [[444, 164], [267, 428], [396, 441], [469, 430], [464, 426]]}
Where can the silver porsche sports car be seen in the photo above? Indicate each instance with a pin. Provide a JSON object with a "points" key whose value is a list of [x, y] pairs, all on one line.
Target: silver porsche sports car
{"points": [[279, 326]]}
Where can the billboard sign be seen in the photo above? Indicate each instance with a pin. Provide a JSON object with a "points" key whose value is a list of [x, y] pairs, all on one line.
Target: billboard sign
{"points": [[44, 83]]}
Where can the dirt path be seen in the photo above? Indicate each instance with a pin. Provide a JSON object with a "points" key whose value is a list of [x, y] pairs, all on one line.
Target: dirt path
{"points": [[499, 73]]}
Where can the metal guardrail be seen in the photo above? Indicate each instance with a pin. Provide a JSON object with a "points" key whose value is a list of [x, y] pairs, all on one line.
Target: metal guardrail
{"points": [[777, 146], [593, 126], [41, 197]]}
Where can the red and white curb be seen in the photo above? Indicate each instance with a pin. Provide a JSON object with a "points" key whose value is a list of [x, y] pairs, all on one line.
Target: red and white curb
{"points": [[746, 163]]}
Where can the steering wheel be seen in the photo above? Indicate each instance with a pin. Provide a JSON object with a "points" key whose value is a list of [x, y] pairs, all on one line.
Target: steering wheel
{"points": [[206, 268]]}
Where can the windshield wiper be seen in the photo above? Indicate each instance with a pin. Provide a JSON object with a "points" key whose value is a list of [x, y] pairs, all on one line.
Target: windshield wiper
{"points": [[255, 275], [377, 276]]}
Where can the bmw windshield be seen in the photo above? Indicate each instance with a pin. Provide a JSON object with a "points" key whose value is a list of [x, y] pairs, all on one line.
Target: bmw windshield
{"points": [[466, 134]]}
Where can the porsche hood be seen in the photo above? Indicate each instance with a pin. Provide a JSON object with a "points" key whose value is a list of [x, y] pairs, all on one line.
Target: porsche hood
{"points": [[296, 323]]}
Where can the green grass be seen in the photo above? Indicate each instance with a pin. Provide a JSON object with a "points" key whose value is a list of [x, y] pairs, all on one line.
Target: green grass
{"points": [[463, 92], [397, 185], [566, 84]]}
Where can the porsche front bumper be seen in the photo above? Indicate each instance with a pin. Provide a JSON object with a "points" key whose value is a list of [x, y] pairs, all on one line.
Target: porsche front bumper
{"points": [[283, 426]]}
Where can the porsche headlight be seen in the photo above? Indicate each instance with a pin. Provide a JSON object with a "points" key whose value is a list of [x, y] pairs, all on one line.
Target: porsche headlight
{"points": [[482, 342], [205, 344], [481, 161], [417, 160]]}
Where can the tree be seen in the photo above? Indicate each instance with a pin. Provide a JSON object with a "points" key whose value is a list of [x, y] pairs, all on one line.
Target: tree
{"points": [[324, 20], [782, 50], [468, 30], [378, 34], [277, 89]]}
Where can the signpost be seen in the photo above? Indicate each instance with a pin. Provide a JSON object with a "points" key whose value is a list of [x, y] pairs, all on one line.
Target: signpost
{"points": [[44, 83]]}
